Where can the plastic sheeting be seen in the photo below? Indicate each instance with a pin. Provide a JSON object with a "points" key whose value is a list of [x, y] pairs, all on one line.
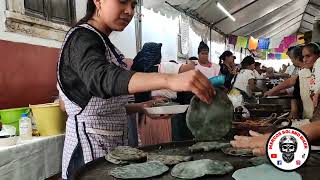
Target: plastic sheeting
{"points": [[269, 19], [200, 29]]}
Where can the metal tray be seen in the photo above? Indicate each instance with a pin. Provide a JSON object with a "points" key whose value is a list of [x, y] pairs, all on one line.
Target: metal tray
{"points": [[98, 169]]}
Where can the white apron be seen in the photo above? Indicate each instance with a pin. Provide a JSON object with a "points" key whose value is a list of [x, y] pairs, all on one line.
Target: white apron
{"points": [[306, 80]]}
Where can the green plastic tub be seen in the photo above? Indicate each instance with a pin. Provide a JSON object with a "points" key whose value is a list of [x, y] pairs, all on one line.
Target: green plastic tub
{"points": [[12, 116]]}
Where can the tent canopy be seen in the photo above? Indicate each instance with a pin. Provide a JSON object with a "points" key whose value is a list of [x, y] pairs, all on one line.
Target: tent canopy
{"points": [[273, 19]]}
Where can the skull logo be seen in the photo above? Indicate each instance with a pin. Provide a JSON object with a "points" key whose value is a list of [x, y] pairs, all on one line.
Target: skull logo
{"points": [[288, 146]]}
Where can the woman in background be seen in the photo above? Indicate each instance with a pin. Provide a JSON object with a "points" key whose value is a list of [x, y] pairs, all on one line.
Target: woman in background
{"points": [[244, 81], [227, 67], [204, 65], [305, 86]]}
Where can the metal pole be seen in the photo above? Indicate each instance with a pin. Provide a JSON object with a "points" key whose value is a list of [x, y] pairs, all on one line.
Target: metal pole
{"points": [[138, 25], [210, 57], [316, 30]]}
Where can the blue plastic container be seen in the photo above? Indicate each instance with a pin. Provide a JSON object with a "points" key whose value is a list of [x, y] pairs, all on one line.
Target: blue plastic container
{"points": [[218, 80]]}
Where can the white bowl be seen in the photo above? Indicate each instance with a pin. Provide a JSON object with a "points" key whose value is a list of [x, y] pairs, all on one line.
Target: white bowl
{"points": [[9, 141], [9, 131], [163, 110]]}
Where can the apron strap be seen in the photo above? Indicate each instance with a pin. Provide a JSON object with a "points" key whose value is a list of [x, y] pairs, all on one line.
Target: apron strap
{"points": [[108, 44]]}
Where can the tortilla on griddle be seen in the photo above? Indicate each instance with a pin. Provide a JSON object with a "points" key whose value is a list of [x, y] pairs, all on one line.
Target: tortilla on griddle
{"points": [[259, 160], [200, 168], [238, 152], [209, 122], [115, 161], [264, 172], [208, 146], [168, 160], [139, 171], [126, 153]]}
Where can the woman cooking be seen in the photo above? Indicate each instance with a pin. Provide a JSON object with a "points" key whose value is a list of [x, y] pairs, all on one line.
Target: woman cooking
{"points": [[296, 56], [305, 82], [94, 83], [244, 81], [311, 52]]}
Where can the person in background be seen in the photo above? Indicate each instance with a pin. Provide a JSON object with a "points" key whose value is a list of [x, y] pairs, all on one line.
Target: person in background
{"points": [[94, 83], [316, 73], [150, 56], [283, 69], [193, 58], [295, 55], [244, 81], [204, 65], [303, 83], [263, 71], [270, 72], [149, 60], [179, 129], [257, 70], [227, 67]]}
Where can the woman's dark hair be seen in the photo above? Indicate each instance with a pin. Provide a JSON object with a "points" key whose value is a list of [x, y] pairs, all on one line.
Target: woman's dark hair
{"points": [[203, 47], [314, 47], [173, 61], [247, 61], [147, 58], [257, 64], [296, 52], [91, 9], [224, 56], [193, 58], [145, 61]]}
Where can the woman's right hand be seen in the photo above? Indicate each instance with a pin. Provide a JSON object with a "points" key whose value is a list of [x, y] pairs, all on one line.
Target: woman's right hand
{"points": [[192, 81]]}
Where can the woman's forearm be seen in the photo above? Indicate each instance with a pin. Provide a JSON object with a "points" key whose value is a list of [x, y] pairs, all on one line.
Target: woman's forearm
{"points": [[154, 81], [134, 108], [284, 85], [294, 105], [191, 81]]}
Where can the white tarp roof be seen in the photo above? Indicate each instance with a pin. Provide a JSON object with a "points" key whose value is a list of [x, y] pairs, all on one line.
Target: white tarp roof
{"points": [[258, 18]]}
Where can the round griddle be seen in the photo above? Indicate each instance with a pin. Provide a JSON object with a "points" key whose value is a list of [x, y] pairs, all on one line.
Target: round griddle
{"points": [[100, 168]]}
